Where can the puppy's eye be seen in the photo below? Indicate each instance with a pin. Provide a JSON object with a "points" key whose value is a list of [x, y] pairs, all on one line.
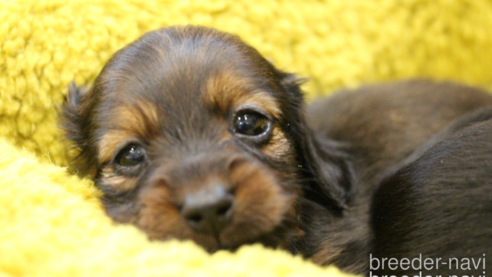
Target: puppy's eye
{"points": [[131, 155], [250, 123]]}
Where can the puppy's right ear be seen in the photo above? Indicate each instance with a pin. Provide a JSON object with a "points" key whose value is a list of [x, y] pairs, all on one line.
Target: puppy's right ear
{"points": [[324, 162], [75, 121], [334, 180]]}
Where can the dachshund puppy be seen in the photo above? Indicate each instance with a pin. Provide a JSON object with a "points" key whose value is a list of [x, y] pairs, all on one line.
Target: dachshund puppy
{"points": [[437, 205], [192, 134]]}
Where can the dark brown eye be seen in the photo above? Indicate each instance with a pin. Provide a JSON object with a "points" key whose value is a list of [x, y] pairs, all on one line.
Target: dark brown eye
{"points": [[250, 123], [131, 155]]}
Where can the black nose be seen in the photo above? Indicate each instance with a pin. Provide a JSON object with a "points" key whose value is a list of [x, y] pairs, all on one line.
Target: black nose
{"points": [[208, 210]]}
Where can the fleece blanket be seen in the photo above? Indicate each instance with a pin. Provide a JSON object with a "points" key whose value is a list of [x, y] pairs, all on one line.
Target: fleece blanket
{"points": [[51, 223]]}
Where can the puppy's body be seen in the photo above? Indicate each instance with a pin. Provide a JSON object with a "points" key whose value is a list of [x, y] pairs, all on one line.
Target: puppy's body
{"points": [[438, 204], [380, 126], [192, 134]]}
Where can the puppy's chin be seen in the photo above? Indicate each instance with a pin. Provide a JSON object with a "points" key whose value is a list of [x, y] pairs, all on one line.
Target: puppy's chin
{"points": [[263, 212]]}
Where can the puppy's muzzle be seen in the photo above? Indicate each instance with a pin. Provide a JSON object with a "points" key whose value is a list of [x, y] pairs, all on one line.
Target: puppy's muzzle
{"points": [[208, 210], [202, 189]]}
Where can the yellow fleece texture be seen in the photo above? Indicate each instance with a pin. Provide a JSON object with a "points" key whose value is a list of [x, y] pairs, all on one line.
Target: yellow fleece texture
{"points": [[51, 224]]}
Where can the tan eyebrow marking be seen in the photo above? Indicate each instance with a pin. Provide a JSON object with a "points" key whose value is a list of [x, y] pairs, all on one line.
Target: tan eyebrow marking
{"points": [[263, 100], [140, 117], [137, 120], [222, 89], [109, 142], [227, 91]]}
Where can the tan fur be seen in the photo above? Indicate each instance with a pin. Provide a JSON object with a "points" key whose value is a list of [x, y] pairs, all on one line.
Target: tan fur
{"points": [[263, 101], [326, 254], [278, 147], [223, 89], [118, 182], [227, 92], [158, 206], [133, 121], [139, 118], [109, 142], [256, 191]]}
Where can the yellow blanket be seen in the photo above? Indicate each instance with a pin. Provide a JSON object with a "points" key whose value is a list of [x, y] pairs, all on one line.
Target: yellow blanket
{"points": [[51, 223]]}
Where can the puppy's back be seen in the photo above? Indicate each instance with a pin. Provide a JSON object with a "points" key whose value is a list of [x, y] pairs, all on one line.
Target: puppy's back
{"points": [[384, 123], [440, 205]]}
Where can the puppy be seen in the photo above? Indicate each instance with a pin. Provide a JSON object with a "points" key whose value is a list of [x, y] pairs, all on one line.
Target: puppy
{"points": [[192, 134], [383, 127], [437, 205]]}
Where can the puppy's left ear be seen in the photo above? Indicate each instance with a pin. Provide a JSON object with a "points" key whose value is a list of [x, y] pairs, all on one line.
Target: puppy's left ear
{"points": [[329, 176], [75, 121]]}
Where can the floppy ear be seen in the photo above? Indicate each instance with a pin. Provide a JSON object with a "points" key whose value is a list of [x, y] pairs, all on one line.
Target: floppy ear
{"points": [[334, 180], [75, 122], [326, 167]]}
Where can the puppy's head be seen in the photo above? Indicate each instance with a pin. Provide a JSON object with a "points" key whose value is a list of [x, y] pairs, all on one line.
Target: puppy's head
{"points": [[192, 134]]}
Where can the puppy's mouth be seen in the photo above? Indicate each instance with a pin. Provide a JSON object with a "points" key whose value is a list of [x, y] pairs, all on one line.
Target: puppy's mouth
{"points": [[217, 239], [220, 245], [282, 236]]}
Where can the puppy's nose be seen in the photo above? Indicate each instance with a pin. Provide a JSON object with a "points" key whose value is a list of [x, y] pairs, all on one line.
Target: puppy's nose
{"points": [[208, 211]]}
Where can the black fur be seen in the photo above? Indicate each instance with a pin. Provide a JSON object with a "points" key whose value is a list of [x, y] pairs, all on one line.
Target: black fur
{"points": [[439, 204], [379, 127]]}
